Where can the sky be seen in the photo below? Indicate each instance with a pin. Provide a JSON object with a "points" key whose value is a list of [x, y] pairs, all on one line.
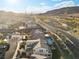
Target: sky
{"points": [[35, 6]]}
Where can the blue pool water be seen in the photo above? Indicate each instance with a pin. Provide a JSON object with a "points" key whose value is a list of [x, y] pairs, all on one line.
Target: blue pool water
{"points": [[49, 41]]}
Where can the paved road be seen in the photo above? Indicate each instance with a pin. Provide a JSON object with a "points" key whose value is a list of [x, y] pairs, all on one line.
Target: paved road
{"points": [[73, 47], [13, 44]]}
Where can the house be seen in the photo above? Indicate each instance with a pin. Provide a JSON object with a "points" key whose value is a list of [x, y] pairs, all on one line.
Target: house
{"points": [[42, 49]]}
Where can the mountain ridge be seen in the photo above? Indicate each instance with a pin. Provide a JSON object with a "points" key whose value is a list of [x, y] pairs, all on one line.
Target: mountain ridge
{"points": [[63, 11]]}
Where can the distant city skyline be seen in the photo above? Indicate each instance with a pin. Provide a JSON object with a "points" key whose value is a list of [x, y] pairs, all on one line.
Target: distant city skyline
{"points": [[35, 6]]}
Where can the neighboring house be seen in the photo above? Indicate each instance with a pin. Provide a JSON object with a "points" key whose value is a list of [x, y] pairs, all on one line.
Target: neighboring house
{"points": [[22, 27], [18, 36], [15, 36]]}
